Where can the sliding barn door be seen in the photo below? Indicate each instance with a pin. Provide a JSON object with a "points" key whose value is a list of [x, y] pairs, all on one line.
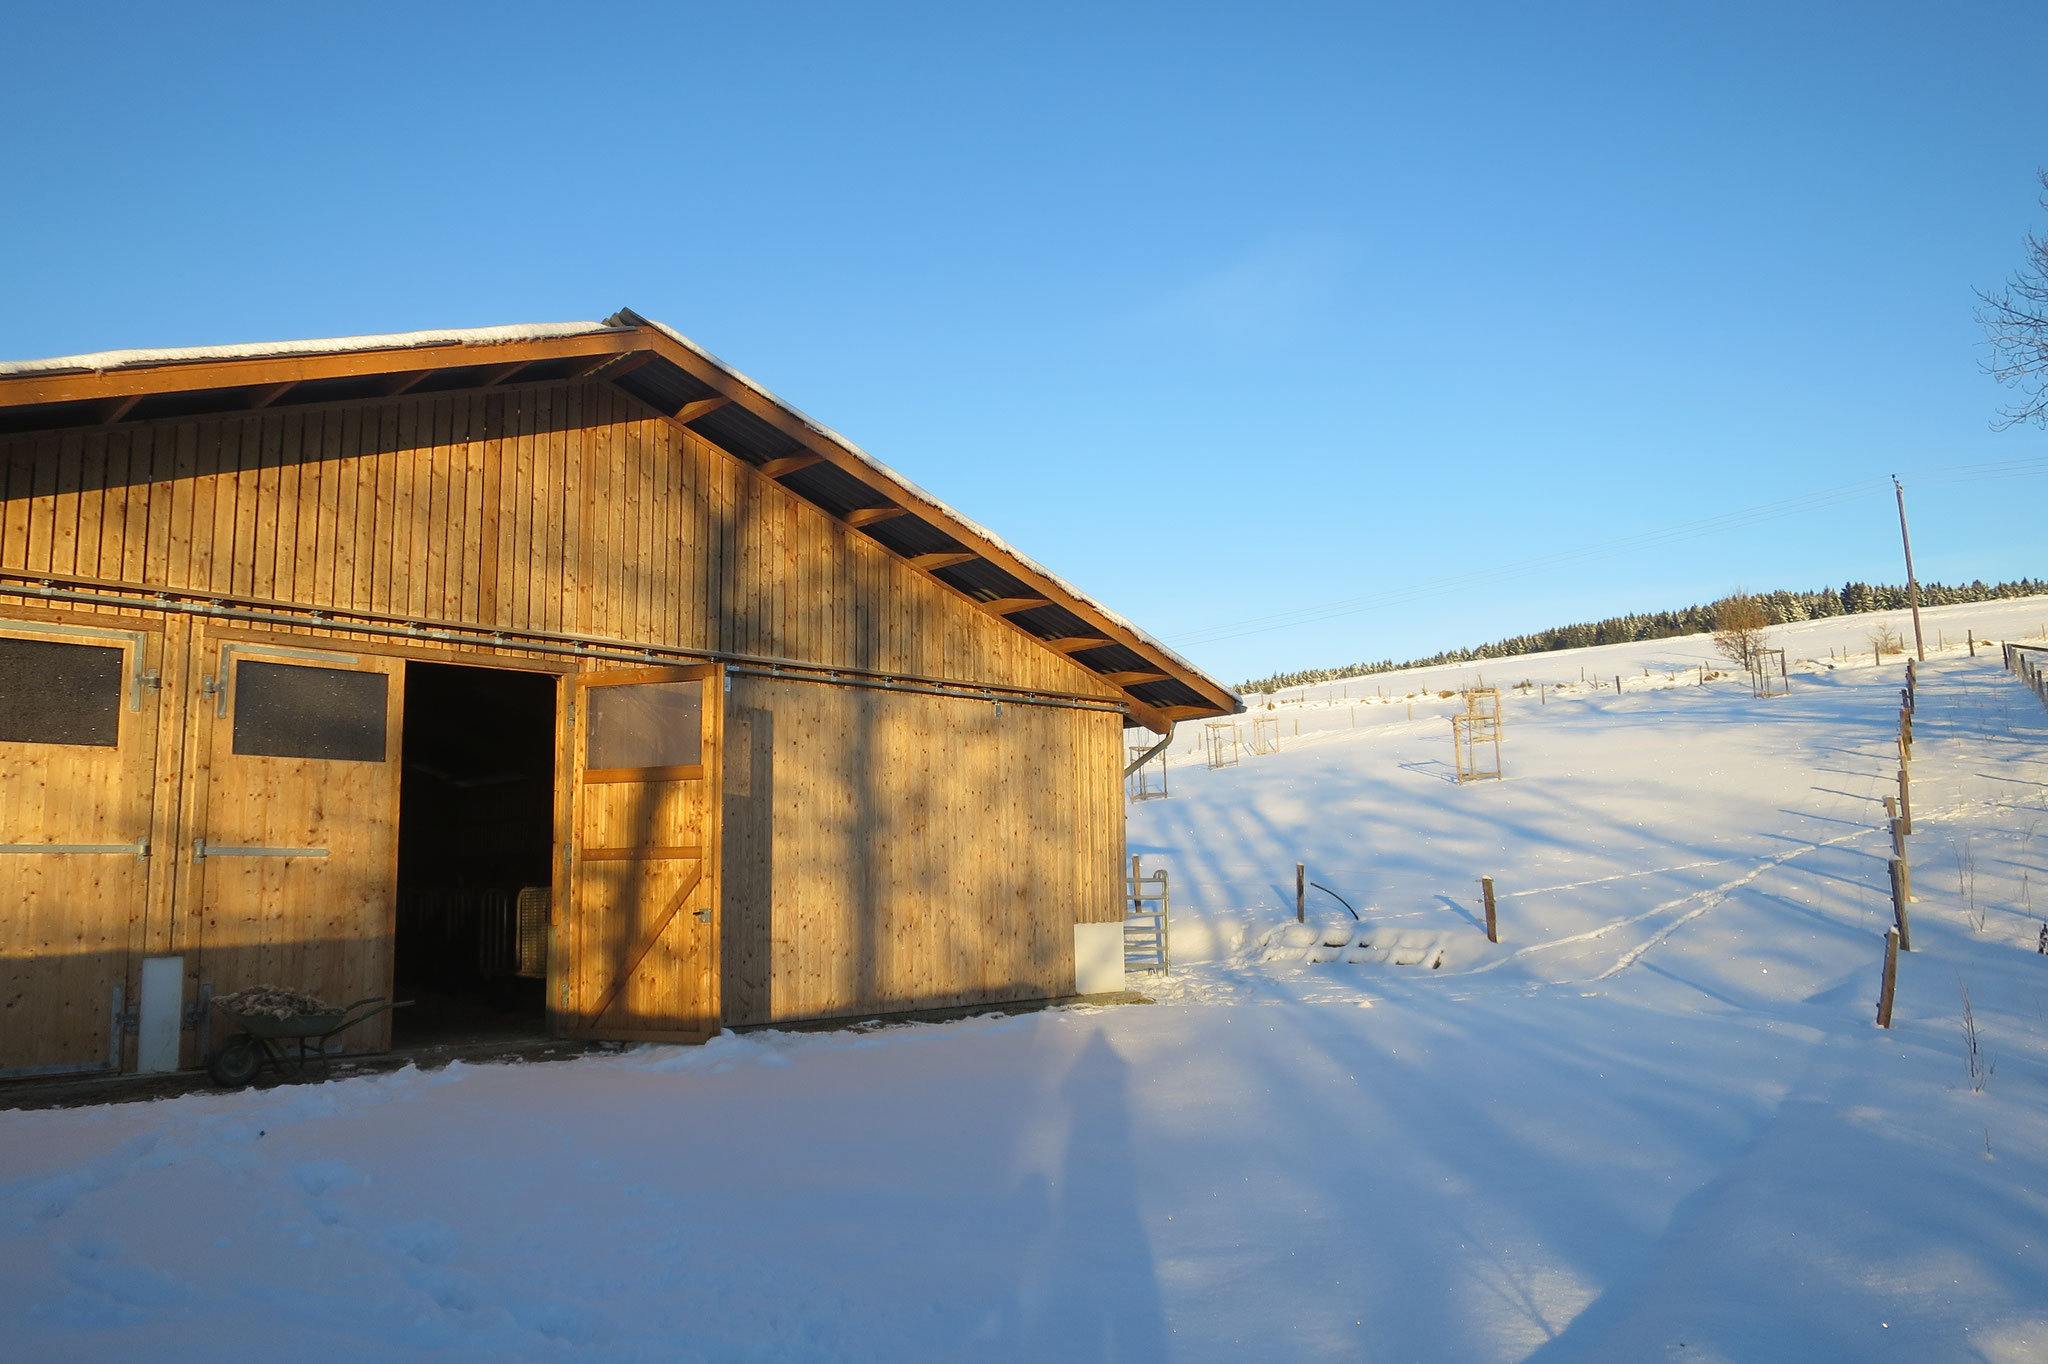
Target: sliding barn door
{"points": [[78, 714], [294, 838], [641, 932]]}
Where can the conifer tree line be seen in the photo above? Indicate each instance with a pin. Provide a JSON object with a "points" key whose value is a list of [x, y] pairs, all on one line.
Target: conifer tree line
{"points": [[1782, 607]]}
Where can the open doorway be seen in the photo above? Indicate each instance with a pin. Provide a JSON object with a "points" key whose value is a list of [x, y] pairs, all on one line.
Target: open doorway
{"points": [[475, 841]]}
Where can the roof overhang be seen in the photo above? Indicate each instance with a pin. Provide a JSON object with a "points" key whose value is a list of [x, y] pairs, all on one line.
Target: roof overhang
{"points": [[687, 386]]}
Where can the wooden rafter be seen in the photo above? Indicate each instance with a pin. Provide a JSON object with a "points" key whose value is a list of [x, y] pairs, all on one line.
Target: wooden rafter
{"points": [[1133, 679], [117, 408], [502, 374], [616, 367], [928, 562], [270, 393], [583, 368], [1157, 720], [861, 517], [1074, 644], [789, 464], [399, 383], [689, 412], [1010, 606]]}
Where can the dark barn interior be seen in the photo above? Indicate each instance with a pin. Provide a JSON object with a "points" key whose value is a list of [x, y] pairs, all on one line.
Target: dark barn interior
{"points": [[475, 838]]}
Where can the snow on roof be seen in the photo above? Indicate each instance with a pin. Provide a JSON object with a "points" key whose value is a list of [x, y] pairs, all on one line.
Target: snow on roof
{"points": [[102, 361]]}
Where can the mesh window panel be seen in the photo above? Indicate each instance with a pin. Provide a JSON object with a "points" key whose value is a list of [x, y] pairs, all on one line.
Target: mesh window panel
{"points": [[284, 710], [53, 693], [645, 724]]}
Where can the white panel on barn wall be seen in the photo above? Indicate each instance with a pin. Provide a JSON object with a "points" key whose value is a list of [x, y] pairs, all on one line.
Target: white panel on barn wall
{"points": [[161, 1015], [1098, 958]]}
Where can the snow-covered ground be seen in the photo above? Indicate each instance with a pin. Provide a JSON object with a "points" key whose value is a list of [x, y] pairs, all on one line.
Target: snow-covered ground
{"points": [[1655, 1122], [1835, 643]]}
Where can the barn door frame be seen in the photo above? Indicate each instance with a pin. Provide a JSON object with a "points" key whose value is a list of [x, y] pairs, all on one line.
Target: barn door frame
{"points": [[326, 911], [581, 994], [139, 720]]}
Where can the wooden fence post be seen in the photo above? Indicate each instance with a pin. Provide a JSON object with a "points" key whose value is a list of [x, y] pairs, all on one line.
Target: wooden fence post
{"points": [[1973, 643], [1905, 802], [1889, 987], [1300, 893], [1492, 924], [1899, 904]]}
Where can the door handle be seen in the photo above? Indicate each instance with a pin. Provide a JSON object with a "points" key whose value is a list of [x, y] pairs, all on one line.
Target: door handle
{"points": [[704, 915]]}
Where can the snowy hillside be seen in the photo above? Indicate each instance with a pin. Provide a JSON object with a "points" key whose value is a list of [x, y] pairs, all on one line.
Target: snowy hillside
{"points": [[1654, 1122]]}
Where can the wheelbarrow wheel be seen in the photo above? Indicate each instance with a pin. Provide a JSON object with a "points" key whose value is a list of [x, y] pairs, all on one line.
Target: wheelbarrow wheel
{"points": [[235, 1062]]}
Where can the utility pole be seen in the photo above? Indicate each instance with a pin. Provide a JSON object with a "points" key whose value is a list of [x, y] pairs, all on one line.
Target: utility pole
{"points": [[1912, 583]]}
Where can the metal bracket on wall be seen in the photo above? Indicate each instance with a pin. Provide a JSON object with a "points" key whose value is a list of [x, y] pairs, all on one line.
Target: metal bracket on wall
{"points": [[139, 848], [201, 850], [195, 1012]]}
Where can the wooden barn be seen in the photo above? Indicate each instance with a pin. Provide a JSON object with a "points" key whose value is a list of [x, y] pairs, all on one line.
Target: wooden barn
{"points": [[559, 672]]}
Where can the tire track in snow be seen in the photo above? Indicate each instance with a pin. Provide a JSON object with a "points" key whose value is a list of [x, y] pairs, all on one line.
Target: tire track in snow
{"points": [[1711, 896], [1719, 893], [1623, 876]]}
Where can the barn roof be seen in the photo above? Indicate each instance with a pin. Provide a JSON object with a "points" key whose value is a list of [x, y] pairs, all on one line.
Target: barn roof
{"points": [[675, 376]]}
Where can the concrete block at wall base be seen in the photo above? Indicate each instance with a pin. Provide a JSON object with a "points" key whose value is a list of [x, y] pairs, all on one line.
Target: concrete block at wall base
{"points": [[1098, 958]]}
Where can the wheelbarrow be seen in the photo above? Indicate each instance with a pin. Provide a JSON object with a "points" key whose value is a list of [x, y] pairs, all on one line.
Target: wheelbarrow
{"points": [[267, 1040]]}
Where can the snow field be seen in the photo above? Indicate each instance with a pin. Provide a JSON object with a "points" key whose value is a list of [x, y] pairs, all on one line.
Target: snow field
{"points": [[1655, 1122], [1832, 644]]}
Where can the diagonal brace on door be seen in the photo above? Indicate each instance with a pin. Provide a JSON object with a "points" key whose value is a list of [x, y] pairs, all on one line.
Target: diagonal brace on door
{"points": [[647, 942]]}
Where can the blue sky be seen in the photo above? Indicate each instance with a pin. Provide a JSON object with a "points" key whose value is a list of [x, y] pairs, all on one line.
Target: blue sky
{"points": [[1416, 325]]}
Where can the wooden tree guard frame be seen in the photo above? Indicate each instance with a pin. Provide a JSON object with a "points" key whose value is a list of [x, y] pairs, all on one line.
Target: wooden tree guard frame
{"points": [[1220, 742], [1265, 734], [1472, 732], [1141, 784], [1768, 675]]}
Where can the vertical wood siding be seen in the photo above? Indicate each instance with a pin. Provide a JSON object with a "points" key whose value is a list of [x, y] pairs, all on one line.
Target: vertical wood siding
{"points": [[891, 851], [884, 850], [567, 507]]}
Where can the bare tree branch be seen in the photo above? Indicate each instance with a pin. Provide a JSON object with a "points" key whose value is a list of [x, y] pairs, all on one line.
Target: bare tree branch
{"points": [[2015, 322]]}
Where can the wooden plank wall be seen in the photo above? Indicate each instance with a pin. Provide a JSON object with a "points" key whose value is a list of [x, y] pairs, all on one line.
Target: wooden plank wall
{"points": [[886, 851], [70, 922], [565, 507], [891, 850]]}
